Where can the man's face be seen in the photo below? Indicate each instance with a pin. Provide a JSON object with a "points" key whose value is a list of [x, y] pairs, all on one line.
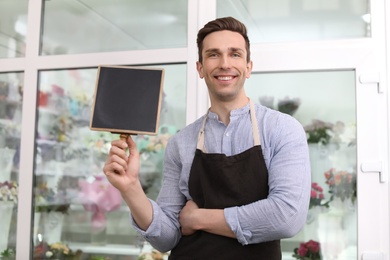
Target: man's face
{"points": [[224, 65]]}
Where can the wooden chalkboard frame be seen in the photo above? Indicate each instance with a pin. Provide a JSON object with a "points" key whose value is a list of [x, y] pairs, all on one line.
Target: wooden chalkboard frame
{"points": [[133, 96]]}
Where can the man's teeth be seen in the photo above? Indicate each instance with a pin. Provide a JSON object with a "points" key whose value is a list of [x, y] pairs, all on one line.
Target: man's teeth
{"points": [[225, 78]]}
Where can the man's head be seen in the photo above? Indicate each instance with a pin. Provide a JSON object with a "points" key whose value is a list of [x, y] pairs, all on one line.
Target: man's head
{"points": [[220, 24]]}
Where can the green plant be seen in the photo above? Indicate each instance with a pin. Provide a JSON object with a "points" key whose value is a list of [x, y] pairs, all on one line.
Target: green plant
{"points": [[8, 254]]}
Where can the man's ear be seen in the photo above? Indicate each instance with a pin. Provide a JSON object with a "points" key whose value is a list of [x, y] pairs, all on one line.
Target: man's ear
{"points": [[199, 68], [249, 67]]}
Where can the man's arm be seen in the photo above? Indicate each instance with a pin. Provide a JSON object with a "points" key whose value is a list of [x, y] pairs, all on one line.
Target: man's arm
{"points": [[213, 221], [122, 171]]}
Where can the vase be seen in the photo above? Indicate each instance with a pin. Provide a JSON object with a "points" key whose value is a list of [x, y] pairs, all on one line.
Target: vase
{"points": [[331, 234], [99, 228], [52, 223], [6, 209], [37, 218], [310, 230], [6, 162]]}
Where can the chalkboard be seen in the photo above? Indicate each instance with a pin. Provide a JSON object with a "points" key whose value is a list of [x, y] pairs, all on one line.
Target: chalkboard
{"points": [[127, 100]]}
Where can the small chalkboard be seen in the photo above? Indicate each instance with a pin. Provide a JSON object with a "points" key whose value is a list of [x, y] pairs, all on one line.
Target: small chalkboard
{"points": [[127, 100]]}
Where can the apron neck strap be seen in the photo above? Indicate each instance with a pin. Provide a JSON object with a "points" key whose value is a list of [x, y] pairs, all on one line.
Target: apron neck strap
{"points": [[255, 129]]}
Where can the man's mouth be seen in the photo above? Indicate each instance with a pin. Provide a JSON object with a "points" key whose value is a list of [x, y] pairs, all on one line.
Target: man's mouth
{"points": [[224, 78]]}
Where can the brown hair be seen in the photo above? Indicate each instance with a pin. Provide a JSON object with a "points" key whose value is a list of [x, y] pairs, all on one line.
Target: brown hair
{"points": [[220, 24]]}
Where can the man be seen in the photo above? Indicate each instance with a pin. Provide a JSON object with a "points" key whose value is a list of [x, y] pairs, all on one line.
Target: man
{"points": [[235, 181]]}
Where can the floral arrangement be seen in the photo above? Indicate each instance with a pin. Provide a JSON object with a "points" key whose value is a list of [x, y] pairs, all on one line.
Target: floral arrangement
{"points": [[317, 196], [9, 127], [149, 253], [99, 197], [56, 251], [286, 105], [342, 184], [323, 132], [308, 251], [46, 200], [153, 144], [154, 255], [289, 105], [9, 191], [100, 142]]}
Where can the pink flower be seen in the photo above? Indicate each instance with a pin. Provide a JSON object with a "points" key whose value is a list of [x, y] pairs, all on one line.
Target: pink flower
{"points": [[313, 246], [302, 251]]}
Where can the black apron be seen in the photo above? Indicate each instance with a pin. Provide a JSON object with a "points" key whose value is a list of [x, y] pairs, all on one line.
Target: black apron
{"points": [[218, 181]]}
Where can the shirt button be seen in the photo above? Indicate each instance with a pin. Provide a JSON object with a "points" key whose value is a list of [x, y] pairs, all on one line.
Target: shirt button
{"points": [[227, 134]]}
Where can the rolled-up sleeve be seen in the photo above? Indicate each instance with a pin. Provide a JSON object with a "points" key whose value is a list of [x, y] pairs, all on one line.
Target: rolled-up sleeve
{"points": [[283, 213]]}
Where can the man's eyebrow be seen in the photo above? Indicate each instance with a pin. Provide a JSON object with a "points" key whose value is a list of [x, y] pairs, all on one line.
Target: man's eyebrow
{"points": [[232, 49], [212, 50]]}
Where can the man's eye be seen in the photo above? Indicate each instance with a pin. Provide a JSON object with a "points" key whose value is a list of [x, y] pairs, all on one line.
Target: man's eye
{"points": [[236, 55]]}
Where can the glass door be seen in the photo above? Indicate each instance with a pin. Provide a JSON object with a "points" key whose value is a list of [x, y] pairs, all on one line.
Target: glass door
{"points": [[323, 62], [329, 120]]}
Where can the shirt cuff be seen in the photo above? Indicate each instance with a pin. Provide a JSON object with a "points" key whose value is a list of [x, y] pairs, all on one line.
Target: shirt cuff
{"points": [[154, 229], [231, 216]]}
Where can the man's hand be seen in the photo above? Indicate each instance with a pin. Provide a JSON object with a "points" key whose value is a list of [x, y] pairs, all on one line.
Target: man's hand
{"points": [[192, 218], [121, 169], [187, 218]]}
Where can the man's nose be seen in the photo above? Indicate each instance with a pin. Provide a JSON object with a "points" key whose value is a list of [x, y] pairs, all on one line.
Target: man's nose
{"points": [[225, 62]]}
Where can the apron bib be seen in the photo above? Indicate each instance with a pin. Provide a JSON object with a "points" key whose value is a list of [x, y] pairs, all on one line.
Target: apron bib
{"points": [[218, 181]]}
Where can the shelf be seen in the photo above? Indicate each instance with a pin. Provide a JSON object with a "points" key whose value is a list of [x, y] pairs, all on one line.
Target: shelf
{"points": [[109, 249]]}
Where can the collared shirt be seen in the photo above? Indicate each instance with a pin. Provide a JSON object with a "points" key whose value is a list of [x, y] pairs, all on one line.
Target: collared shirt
{"points": [[286, 155]]}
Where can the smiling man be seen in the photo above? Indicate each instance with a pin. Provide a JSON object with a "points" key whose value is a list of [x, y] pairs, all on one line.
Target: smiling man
{"points": [[236, 181]]}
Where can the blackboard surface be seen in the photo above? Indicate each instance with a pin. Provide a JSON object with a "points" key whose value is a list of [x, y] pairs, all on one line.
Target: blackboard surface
{"points": [[127, 100]]}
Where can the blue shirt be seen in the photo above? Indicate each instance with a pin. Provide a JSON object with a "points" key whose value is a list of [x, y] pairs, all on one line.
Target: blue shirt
{"points": [[286, 155]]}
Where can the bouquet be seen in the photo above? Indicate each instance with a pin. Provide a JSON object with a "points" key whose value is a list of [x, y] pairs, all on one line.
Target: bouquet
{"points": [[316, 196], [323, 133], [308, 251], [58, 251], [9, 191], [342, 184], [99, 196], [46, 200]]}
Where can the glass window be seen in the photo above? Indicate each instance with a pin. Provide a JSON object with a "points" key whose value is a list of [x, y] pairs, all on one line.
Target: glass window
{"points": [[330, 124], [11, 93], [69, 164], [13, 28], [287, 20], [101, 26]]}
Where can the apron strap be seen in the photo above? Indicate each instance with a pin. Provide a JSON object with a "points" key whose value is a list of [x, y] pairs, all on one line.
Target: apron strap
{"points": [[200, 144], [255, 129]]}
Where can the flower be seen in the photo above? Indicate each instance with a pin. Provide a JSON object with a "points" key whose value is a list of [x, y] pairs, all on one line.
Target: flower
{"points": [[153, 144], [46, 200], [308, 251], [342, 184], [57, 250], [9, 191], [323, 133], [153, 255], [316, 196], [289, 106]]}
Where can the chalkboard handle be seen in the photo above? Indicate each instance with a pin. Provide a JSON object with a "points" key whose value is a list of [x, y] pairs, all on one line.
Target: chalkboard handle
{"points": [[124, 136]]}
